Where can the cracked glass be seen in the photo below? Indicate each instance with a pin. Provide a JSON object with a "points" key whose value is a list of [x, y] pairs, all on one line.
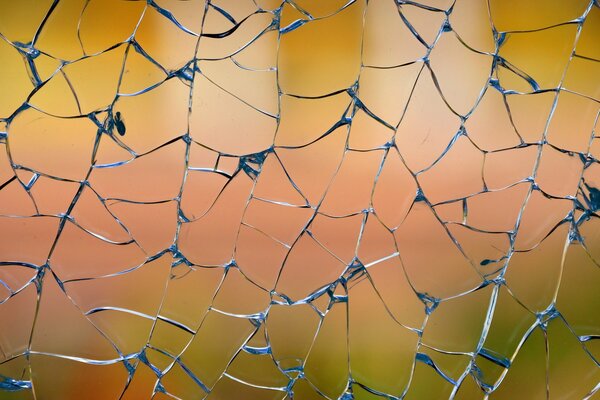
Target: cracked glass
{"points": [[299, 199]]}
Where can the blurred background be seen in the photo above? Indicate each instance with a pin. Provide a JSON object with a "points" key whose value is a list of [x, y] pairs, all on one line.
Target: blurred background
{"points": [[299, 200]]}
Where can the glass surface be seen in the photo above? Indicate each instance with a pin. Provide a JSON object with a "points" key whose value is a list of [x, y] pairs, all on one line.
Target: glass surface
{"points": [[257, 199]]}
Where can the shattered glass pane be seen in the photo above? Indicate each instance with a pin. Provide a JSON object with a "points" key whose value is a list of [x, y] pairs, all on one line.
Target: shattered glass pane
{"points": [[295, 199]]}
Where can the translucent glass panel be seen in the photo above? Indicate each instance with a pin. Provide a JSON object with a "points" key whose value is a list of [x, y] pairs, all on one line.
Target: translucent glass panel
{"points": [[257, 199]]}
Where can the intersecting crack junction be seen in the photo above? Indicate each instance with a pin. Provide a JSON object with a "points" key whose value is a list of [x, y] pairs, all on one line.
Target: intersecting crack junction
{"points": [[299, 199]]}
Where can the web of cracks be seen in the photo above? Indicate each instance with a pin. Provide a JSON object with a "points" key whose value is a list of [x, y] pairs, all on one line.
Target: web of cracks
{"points": [[112, 125]]}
